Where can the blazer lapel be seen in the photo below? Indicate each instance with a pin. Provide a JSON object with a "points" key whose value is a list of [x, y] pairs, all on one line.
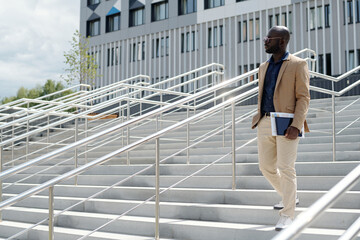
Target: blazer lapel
{"points": [[262, 79], [282, 69]]}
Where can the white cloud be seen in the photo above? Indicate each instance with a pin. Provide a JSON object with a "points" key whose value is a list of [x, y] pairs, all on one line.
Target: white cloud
{"points": [[33, 37]]}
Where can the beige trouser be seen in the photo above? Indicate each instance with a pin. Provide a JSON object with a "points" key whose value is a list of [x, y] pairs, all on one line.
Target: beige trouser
{"points": [[277, 156]]}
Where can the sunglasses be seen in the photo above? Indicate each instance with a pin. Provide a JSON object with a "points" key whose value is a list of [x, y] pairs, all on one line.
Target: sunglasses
{"points": [[268, 40]]}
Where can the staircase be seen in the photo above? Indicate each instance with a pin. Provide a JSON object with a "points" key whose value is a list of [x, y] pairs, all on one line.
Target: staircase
{"points": [[204, 206]]}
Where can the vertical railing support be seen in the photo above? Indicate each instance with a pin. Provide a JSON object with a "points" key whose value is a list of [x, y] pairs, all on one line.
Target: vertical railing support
{"points": [[187, 139], [157, 189], [333, 125], [233, 146], [12, 147], [51, 213], [48, 132], [1, 185], [223, 125], [27, 140], [86, 135], [76, 149], [128, 129]]}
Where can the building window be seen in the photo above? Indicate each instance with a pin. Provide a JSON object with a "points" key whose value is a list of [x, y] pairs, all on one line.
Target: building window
{"points": [[213, 3], [286, 20], [113, 56], [137, 17], [316, 18], [187, 6], [93, 27], [349, 11], [188, 41], [137, 51], [160, 47], [215, 38], [113, 22], [251, 29], [350, 60], [93, 2], [160, 11], [327, 15], [244, 31]]}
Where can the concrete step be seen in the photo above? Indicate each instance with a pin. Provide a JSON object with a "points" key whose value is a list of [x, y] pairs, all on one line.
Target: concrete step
{"points": [[243, 169], [9, 228], [191, 195], [205, 182], [173, 228]]}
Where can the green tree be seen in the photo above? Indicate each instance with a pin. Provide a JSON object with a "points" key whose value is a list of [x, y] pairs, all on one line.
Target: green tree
{"points": [[81, 65], [22, 93]]}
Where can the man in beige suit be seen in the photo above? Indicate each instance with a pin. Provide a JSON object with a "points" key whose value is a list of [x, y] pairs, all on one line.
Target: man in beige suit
{"points": [[283, 87]]}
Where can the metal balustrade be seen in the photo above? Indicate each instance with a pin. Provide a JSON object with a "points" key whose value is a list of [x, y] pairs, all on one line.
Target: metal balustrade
{"points": [[129, 91], [184, 103]]}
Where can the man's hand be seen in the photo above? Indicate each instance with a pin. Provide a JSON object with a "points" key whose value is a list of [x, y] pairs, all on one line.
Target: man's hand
{"points": [[292, 133]]}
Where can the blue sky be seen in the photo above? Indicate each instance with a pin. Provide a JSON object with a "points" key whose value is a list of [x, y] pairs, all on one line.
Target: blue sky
{"points": [[33, 37]]}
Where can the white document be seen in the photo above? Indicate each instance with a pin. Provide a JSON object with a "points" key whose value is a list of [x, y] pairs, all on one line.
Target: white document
{"points": [[273, 115]]}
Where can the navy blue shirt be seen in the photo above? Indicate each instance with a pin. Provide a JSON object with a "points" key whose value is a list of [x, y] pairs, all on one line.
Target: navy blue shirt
{"points": [[267, 101]]}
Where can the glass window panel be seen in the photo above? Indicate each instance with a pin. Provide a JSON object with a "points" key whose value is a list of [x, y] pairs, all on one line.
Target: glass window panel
{"points": [[215, 36], [251, 28], [319, 17], [283, 19], [244, 30], [312, 18]]}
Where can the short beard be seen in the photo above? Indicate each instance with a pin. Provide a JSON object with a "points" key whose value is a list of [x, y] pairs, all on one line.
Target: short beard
{"points": [[274, 49]]}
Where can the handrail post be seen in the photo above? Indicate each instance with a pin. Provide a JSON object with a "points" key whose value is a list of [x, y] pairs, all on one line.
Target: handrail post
{"points": [[76, 149], [157, 189], [48, 131], [86, 135], [27, 141], [1, 183], [223, 124], [51, 213], [333, 125], [187, 139], [128, 129], [233, 146], [12, 147]]}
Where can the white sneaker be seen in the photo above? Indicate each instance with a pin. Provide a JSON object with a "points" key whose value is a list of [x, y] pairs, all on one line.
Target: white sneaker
{"points": [[283, 223], [280, 205]]}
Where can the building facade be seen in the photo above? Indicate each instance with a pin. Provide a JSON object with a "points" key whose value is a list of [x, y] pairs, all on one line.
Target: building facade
{"points": [[164, 38]]}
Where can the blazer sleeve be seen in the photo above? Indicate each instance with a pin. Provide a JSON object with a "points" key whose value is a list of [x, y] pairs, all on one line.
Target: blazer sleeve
{"points": [[302, 94]]}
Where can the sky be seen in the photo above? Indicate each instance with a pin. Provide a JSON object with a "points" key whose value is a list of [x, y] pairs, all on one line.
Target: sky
{"points": [[33, 37]]}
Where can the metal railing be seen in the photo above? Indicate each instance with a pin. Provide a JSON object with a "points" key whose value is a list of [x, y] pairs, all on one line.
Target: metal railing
{"points": [[315, 210], [50, 184], [156, 136], [217, 87], [155, 88], [333, 95]]}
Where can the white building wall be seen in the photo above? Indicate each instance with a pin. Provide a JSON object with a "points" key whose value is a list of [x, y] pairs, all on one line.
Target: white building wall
{"points": [[238, 56]]}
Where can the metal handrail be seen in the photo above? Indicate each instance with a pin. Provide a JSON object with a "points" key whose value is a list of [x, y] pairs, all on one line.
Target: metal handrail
{"points": [[107, 88], [314, 211], [189, 118], [129, 147], [84, 141], [335, 79], [84, 114], [96, 92], [134, 92], [19, 101], [203, 138]]}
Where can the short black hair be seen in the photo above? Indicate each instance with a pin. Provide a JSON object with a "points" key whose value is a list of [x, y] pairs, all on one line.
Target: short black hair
{"points": [[282, 31]]}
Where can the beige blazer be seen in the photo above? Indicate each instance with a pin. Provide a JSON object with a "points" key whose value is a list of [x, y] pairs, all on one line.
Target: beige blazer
{"points": [[291, 93]]}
